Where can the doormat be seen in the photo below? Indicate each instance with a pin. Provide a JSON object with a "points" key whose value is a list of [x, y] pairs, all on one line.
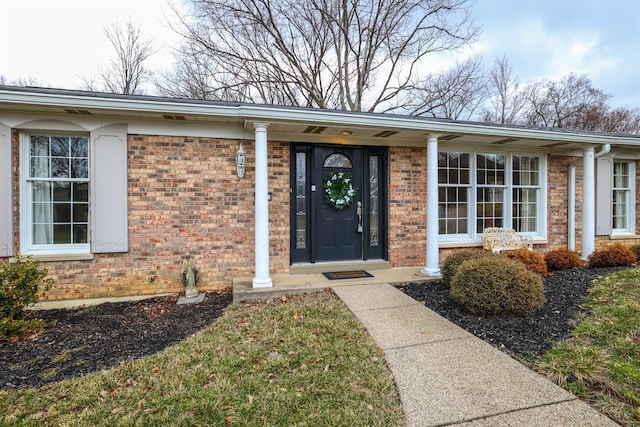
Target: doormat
{"points": [[353, 274]]}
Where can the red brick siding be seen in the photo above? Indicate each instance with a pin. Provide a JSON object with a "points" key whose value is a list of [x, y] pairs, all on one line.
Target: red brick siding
{"points": [[407, 206], [184, 195], [558, 202]]}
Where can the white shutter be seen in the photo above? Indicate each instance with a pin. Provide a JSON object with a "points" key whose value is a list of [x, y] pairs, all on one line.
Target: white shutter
{"points": [[109, 224], [604, 195], [6, 193]]}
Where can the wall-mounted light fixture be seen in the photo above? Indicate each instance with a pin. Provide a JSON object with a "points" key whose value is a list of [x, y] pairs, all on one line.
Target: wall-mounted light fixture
{"points": [[241, 161], [346, 132]]}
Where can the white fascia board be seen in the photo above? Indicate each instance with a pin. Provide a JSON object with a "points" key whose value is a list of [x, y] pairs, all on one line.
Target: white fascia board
{"points": [[340, 119], [263, 113], [117, 104]]}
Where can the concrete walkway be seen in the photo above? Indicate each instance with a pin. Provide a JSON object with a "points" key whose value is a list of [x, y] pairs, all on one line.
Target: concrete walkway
{"points": [[447, 376]]}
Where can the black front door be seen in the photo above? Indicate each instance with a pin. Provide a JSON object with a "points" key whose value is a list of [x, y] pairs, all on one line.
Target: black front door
{"points": [[322, 230], [337, 230]]}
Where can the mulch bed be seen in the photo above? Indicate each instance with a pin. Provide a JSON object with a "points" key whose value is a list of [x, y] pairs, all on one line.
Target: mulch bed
{"points": [[82, 340], [525, 335]]}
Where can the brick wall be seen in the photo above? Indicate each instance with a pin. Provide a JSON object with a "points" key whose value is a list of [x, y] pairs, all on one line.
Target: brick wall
{"points": [[184, 195], [407, 206], [558, 202]]}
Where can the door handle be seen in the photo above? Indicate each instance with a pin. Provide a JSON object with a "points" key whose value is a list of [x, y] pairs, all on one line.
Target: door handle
{"points": [[359, 212]]}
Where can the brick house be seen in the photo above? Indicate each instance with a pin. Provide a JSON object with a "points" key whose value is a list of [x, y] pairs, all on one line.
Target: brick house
{"points": [[111, 191]]}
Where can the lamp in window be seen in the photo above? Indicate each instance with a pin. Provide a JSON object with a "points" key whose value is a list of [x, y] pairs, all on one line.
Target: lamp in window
{"points": [[241, 161]]}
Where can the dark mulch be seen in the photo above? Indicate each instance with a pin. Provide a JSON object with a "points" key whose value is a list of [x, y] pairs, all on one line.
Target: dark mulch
{"points": [[82, 340], [527, 335]]}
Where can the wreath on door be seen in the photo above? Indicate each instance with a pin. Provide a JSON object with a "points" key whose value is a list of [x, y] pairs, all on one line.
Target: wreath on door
{"points": [[338, 190]]}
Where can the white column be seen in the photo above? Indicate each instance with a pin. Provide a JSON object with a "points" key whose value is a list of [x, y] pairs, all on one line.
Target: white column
{"points": [[432, 268], [588, 203], [261, 279]]}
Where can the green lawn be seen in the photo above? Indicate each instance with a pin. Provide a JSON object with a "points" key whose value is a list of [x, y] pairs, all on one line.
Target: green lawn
{"points": [[601, 361], [303, 361]]}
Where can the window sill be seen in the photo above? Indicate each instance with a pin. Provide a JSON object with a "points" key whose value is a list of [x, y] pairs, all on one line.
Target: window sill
{"points": [[459, 244], [467, 243], [62, 257], [624, 237]]}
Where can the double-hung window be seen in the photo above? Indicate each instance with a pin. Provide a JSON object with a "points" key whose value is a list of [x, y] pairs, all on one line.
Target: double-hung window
{"points": [[479, 190], [623, 193], [454, 193], [56, 194]]}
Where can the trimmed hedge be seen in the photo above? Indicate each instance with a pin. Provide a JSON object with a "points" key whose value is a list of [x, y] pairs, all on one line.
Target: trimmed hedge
{"points": [[497, 285], [562, 259], [452, 262], [617, 255]]}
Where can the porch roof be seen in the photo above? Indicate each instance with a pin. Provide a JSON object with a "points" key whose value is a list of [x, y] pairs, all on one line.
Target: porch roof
{"points": [[303, 124]]}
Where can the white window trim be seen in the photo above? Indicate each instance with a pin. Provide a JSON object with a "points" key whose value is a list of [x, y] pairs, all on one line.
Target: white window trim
{"points": [[473, 238], [631, 202], [26, 214]]}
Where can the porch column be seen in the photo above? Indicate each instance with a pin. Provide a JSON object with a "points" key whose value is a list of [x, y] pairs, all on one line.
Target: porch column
{"points": [[588, 202], [261, 279], [432, 268]]}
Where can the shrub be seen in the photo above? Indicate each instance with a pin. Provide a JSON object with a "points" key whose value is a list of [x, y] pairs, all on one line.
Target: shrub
{"points": [[534, 261], [21, 283], [562, 259], [453, 261], [636, 250], [613, 256], [497, 285]]}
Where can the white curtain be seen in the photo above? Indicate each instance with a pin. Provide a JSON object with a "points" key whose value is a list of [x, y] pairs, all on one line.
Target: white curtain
{"points": [[41, 191]]}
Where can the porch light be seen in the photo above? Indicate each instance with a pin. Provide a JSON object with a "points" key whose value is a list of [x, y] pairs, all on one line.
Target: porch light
{"points": [[346, 132], [241, 160]]}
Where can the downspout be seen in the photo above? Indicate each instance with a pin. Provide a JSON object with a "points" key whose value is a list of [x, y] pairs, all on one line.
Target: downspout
{"points": [[571, 238]]}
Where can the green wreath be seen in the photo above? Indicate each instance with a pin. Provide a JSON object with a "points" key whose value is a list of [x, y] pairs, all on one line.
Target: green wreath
{"points": [[338, 190]]}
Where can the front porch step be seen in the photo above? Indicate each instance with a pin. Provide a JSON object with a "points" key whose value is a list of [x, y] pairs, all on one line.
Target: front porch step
{"points": [[324, 267], [287, 284]]}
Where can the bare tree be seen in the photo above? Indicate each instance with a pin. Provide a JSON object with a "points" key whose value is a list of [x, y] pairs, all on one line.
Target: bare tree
{"points": [[602, 118], [358, 55], [563, 103], [506, 102], [126, 72], [621, 120], [22, 81], [454, 94]]}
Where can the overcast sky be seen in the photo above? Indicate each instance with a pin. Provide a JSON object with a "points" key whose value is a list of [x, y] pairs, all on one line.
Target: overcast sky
{"points": [[57, 41]]}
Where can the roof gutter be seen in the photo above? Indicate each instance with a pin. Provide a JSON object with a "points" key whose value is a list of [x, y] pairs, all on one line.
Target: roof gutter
{"points": [[264, 113]]}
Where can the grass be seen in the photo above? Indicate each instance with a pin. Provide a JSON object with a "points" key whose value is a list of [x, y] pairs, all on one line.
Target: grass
{"points": [[300, 361], [600, 362]]}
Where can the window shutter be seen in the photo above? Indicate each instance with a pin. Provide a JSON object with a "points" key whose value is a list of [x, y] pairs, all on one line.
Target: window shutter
{"points": [[604, 195], [6, 193], [109, 224]]}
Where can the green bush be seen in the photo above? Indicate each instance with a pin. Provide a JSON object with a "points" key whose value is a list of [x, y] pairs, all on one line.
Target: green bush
{"points": [[497, 285], [534, 261], [614, 256], [636, 250], [22, 281], [453, 261], [562, 259]]}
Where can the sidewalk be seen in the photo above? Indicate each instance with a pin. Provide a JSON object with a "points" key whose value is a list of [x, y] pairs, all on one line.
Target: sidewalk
{"points": [[447, 376]]}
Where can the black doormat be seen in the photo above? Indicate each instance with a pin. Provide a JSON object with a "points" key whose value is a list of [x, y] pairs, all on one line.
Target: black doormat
{"points": [[353, 274]]}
